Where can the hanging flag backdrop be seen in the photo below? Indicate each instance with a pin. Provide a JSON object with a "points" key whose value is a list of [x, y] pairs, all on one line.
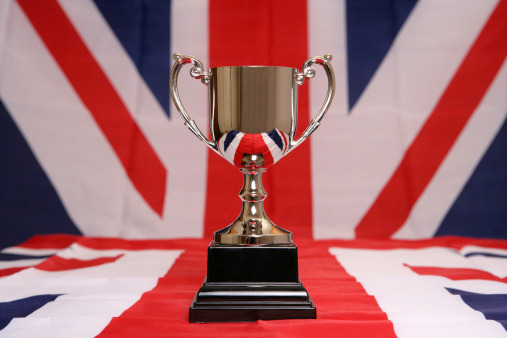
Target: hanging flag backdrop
{"points": [[414, 145]]}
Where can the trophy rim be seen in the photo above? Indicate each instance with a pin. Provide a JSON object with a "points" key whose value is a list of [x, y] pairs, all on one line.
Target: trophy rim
{"points": [[254, 66]]}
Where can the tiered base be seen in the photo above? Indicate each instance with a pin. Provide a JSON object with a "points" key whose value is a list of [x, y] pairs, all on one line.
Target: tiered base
{"points": [[248, 283]]}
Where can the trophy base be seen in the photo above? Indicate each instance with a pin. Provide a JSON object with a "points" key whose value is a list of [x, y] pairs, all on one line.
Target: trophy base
{"points": [[248, 283], [249, 302]]}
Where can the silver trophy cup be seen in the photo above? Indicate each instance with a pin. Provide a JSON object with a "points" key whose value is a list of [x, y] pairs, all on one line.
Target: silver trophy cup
{"points": [[252, 123], [252, 263]]}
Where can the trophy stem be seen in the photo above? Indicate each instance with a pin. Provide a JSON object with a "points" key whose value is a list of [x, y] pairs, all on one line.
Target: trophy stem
{"points": [[253, 225], [252, 268]]}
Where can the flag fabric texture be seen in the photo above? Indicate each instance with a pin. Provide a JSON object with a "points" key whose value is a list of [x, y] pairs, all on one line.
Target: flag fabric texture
{"points": [[399, 198]]}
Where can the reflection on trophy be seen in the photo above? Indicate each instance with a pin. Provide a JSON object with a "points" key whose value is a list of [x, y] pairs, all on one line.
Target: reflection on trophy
{"points": [[252, 263]]}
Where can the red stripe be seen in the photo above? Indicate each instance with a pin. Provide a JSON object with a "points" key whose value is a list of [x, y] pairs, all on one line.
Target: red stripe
{"points": [[261, 145], [456, 273], [11, 271], [138, 158], [53, 241], [238, 155], [262, 33], [424, 156], [56, 263], [338, 296], [285, 142], [130, 244]]}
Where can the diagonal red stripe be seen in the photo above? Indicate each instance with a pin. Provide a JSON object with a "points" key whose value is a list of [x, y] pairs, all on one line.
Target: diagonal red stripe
{"points": [[456, 273], [53, 241], [238, 154], [264, 149], [422, 159], [136, 155], [11, 271], [57, 263], [262, 33]]}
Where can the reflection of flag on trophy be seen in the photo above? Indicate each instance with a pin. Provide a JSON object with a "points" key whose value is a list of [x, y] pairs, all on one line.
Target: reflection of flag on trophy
{"points": [[252, 263], [272, 145]]}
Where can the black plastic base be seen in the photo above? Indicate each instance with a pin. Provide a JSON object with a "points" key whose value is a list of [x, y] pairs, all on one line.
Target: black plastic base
{"points": [[245, 284], [247, 264]]}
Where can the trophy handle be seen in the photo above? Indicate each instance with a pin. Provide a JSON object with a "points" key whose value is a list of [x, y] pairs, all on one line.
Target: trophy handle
{"points": [[308, 72], [198, 73]]}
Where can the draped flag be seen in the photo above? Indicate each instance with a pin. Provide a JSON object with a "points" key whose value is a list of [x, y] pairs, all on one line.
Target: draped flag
{"points": [[414, 145], [76, 286]]}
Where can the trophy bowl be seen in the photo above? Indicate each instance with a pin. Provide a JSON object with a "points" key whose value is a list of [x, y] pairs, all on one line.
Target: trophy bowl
{"points": [[252, 123]]}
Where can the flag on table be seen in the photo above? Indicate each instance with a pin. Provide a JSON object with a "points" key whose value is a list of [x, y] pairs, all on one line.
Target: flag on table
{"points": [[441, 287]]}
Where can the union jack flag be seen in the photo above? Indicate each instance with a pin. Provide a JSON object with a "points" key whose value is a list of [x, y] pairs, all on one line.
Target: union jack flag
{"points": [[410, 156], [67, 285], [414, 145]]}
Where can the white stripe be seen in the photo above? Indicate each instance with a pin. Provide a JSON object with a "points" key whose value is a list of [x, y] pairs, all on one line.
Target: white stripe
{"points": [[355, 155], [327, 35], [5, 10], [221, 146], [18, 250], [189, 35], [494, 265], [275, 151], [19, 263], [458, 166]]}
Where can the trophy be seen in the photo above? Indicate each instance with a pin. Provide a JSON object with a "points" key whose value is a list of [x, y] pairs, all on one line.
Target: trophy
{"points": [[252, 270]]}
